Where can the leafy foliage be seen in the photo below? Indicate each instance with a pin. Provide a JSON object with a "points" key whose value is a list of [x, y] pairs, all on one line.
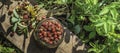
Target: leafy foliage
{"points": [[96, 22], [6, 49]]}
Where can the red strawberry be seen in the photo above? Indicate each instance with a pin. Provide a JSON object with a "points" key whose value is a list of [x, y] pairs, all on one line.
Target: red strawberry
{"points": [[44, 34], [56, 39], [50, 42], [46, 39], [49, 35], [55, 33], [53, 29], [55, 36], [59, 33], [25, 16], [52, 38], [40, 36]]}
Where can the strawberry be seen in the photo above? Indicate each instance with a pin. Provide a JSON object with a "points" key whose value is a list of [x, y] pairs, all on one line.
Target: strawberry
{"points": [[46, 39], [52, 38], [25, 16], [59, 33], [50, 42], [49, 35], [44, 34], [55, 33], [56, 39], [55, 36]]}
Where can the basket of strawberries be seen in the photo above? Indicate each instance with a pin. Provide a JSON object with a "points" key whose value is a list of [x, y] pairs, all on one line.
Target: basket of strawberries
{"points": [[49, 33]]}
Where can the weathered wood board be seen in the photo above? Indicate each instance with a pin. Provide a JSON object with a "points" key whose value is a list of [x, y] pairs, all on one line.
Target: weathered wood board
{"points": [[70, 44]]}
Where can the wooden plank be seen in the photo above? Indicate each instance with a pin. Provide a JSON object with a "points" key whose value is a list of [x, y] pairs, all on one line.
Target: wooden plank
{"points": [[70, 44]]}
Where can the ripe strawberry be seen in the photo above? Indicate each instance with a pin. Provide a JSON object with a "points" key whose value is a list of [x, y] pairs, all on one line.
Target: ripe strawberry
{"points": [[58, 25], [25, 16], [55, 36], [50, 24], [40, 36], [52, 38], [49, 35], [46, 39], [50, 42], [59, 33], [49, 29], [53, 29], [41, 29], [44, 34], [55, 33], [56, 39]]}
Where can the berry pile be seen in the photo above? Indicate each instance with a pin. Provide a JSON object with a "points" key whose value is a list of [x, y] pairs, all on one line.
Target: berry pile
{"points": [[50, 31]]}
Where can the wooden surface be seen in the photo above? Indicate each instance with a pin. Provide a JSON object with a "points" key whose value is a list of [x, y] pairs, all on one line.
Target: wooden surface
{"points": [[70, 44]]}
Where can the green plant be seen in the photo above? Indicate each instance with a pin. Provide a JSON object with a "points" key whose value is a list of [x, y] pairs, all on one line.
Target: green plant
{"points": [[6, 49], [97, 48], [95, 20], [102, 19]]}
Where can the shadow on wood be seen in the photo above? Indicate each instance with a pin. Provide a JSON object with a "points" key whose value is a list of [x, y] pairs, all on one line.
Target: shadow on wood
{"points": [[5, 2], [34, 47], [2, 19]]}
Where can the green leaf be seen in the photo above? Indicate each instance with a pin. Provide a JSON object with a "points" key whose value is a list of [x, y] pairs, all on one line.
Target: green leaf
{"points": [[118, 27], [99, 24], [26, 32], [6, 49], [71, 19], [99, 31], [9, 50], [21, 26], [14, 20], [105, 27], [87, 1], [95, 2], [82, 35], [92, 35], [91, 49], [61, 1], [88, 28], [1, 48], [119, 48], [41, 5], [114, 13], [105, 10], [15, 14], [77, 29], [15, 27], [64, 1]]}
